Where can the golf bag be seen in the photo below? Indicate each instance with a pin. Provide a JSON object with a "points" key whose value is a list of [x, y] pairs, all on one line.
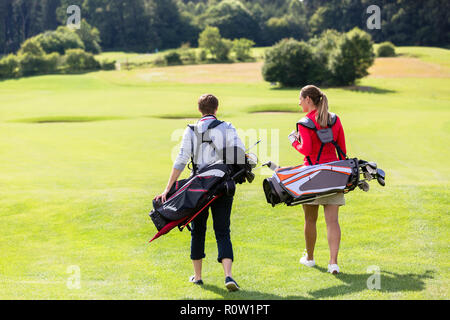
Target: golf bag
{"points": [[188, 198], [303, 184]]}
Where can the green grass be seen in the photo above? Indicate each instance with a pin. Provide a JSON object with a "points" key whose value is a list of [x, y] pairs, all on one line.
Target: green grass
{"points": [[82, 156]]}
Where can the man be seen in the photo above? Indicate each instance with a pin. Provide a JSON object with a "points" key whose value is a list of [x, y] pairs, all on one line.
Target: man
{"points": [[221, 135]]}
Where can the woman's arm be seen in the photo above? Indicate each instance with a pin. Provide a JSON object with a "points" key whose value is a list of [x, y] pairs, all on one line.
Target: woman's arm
{"points": [[179, 165], [305, 147], [341, 137], [173, 177]]}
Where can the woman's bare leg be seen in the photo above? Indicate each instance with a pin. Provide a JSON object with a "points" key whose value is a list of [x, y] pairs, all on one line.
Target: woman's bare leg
{"points": [[333, 230], [197, 269], [227, 263], [311, 214]]}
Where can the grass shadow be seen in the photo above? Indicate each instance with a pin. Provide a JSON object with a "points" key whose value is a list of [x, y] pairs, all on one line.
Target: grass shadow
{"points": [[354, 88], [273, 108], [367, 89], [248, 295], [66, 119], [390, 282], [175, 117]]}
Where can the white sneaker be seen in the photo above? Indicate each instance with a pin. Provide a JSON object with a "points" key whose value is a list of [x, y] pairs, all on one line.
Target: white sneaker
{"points": [[333, 269], [309, 263]]}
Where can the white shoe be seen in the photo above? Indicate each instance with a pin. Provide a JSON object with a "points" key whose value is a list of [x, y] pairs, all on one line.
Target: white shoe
{"points": [[309, 263], [333, 269]]}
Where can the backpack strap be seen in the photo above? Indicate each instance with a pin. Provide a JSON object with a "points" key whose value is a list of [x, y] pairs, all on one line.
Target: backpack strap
{"points": [[325, 136], [307, 123], [205, 138]]}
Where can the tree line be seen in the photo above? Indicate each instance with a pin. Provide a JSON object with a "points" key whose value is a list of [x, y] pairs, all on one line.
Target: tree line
{"points": [[147, 25]]}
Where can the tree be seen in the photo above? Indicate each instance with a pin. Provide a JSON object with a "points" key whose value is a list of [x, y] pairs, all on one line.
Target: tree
{"points": [[211, 40], [352, 58], [242, 48], [59, 40], [32, 47], [233, 20], [90, 36], [9, 67], [292, 64]]}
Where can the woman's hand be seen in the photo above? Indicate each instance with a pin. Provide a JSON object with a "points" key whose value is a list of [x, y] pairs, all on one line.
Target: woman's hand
{"points": [[162, 197], [294, 136]]}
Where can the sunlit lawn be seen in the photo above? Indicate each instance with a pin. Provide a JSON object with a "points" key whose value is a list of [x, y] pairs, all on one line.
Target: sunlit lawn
{"points": [[82, 156]]}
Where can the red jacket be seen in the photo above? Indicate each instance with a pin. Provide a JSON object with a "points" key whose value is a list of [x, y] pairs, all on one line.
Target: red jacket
{"points": [[310, 143]]}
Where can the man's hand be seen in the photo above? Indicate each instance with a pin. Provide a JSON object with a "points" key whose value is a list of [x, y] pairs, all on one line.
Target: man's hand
{"points": [[294, 136]]}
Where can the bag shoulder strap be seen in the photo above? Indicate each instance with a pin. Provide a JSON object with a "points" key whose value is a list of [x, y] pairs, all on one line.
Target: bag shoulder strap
{"points": [[307, 123], [205, 139], [325, 133]]}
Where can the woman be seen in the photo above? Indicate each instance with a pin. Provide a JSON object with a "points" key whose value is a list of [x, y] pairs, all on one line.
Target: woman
{"points": [[315, 103]]}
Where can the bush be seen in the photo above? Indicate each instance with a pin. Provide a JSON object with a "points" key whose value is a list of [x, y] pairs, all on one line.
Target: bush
{"points": [[242, 49], [77, 60], [9, 67], [352, 58], [203, 55], [173, 58], [211, 41], [292, 64], [386, 49], [60, 40], [108, 65], [188, 56], [31, 46], [160, 61], [43, 64], [90, 36]]}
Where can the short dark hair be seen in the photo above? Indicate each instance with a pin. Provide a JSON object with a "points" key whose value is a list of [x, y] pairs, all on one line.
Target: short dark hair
{"points": [[208, 104]]}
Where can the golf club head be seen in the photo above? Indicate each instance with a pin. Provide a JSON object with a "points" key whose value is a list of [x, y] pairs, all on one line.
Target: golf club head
{"points": [[250, 176], [381, 181], [381, 173], [364, 186], [368, 176], [252, 160], [272, 166], [373, 165]]}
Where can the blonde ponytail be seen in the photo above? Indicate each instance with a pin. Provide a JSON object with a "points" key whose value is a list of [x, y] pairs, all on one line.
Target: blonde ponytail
{"points": [[323, 116], [320, 101]]}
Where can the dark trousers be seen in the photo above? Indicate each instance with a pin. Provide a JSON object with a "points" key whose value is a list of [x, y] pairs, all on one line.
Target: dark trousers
{"points": [[221, 212]]}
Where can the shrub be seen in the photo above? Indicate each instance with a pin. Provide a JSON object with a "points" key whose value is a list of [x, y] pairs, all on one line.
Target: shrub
{"points": [[172, 58], [31, 46], [32, 65], [60, 40], [90, 36], [386, 49], [352, 58], [188, 56], [77, 60], [9, 67], [292, 64], [242, 49], [211, 41], [160, 61], [108, 65], [203, 55]]}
